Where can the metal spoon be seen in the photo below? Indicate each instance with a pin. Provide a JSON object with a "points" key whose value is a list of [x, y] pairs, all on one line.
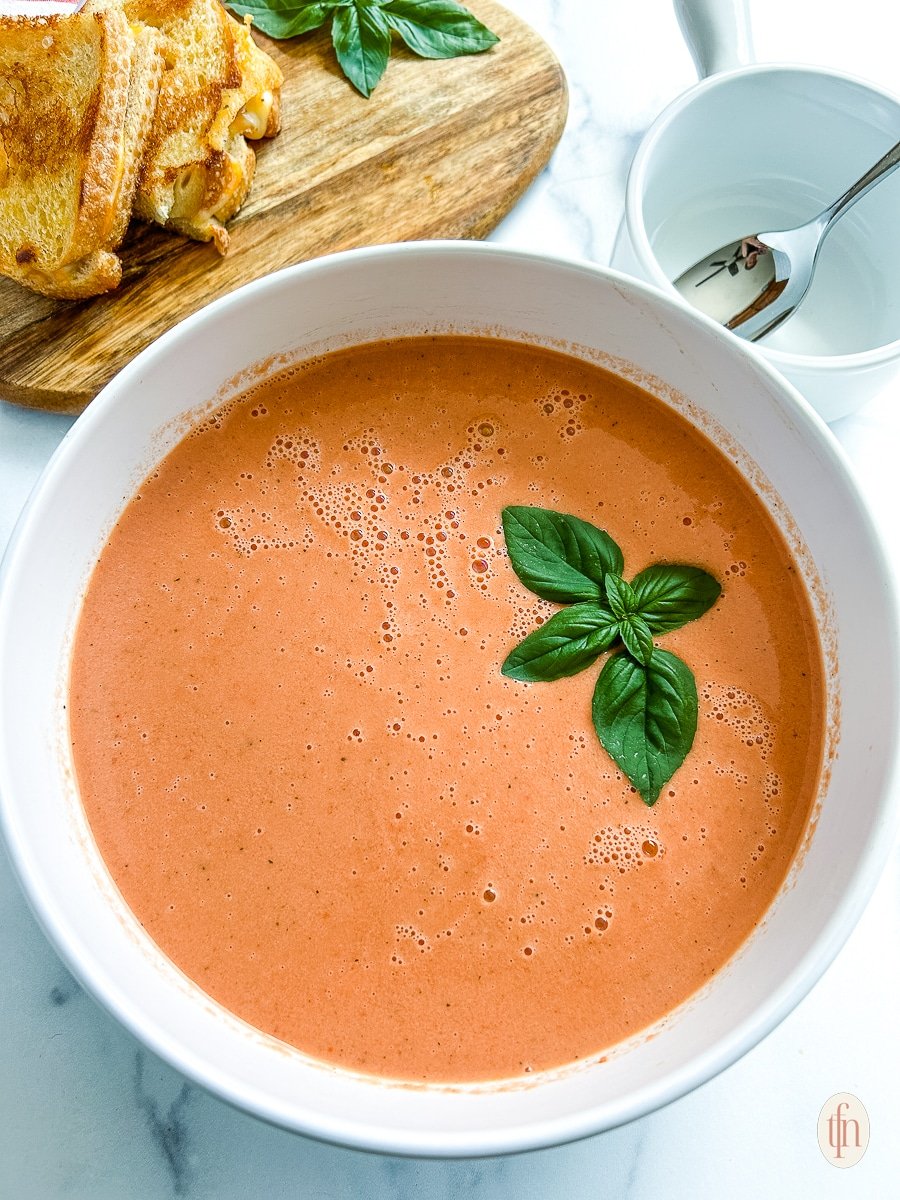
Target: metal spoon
{"points": [[754, 284]]}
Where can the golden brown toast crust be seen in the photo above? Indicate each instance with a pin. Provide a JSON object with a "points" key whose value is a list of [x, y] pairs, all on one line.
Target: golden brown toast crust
{"points": [[198, 166], [129, 106], [76, 102], [60, 98], [104, 154], [147, 68]]}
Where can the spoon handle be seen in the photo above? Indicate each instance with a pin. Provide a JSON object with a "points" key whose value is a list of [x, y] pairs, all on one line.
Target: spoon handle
{"points": [[865, 183]]}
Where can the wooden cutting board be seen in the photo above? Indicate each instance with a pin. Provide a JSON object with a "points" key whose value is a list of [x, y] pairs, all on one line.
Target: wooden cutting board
{"points": [[443, 149]]}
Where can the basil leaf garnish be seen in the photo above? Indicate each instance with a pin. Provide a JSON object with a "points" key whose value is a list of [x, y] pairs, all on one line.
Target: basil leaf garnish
{"points": [[633, 629], [669, 595], [636, 637], [362, 43], [438, 28], [645, 700], [569, 642], [283, 18], [646, 717], [557, 556], [619, 595], [361, 29]]}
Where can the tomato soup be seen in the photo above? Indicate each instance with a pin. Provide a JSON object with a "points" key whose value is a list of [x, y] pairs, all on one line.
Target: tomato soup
{"points": [[316, 790]]}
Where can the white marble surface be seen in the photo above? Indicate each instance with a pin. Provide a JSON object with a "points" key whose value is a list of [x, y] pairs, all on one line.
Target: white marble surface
{"points": [[86, 1113]]}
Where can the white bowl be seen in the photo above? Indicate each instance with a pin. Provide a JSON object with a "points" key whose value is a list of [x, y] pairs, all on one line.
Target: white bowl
{"points": [[730, 392]]}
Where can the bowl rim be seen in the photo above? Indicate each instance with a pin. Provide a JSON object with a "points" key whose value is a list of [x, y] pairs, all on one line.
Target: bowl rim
{"points": [[545, 1132]]}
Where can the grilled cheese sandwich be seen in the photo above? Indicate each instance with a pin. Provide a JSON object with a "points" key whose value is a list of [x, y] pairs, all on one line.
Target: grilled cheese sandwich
{"points": [[77, 97], [127, 107], [221, 89]]}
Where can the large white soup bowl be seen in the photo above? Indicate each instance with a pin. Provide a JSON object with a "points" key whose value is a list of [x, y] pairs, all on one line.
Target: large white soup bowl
{"points": [[729, 391]]}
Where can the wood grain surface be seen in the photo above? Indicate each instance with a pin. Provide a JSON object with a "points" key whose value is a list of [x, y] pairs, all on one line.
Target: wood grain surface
{"points": [[443, 149]]}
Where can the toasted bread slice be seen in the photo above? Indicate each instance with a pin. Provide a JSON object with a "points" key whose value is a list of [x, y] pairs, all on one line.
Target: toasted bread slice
{"points": [[77, 96], [221, 89]]}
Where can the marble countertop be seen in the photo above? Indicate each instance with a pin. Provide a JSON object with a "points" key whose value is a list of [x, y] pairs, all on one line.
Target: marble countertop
{"points": [[87, 1113]]}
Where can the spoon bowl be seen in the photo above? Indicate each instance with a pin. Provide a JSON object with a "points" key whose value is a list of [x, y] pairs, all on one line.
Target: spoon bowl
{"points": [[753, 285]]}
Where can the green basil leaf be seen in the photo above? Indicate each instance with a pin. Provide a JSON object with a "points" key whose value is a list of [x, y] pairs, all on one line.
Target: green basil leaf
{"points": [[362, 42], [559, 557], [669, 595], [619, 595], [438, 28], [285, 18], [646, 718], [638, 639], [565, 645]]}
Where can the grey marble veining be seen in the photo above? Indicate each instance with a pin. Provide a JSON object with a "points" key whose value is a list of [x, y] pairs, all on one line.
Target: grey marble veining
{"points": [[613, 98], [168, 1122], [86, 1113]]}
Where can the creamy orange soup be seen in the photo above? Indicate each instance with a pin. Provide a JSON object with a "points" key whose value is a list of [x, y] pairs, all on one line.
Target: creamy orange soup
{"points": [[316, 790]]}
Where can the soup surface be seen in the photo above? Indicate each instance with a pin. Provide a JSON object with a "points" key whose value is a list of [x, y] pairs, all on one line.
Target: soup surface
{"points": [[316, 790]]}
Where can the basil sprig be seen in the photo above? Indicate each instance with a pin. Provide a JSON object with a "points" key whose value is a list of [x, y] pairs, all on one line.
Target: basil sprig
{"points": [[361, 30], [645, 700]]}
